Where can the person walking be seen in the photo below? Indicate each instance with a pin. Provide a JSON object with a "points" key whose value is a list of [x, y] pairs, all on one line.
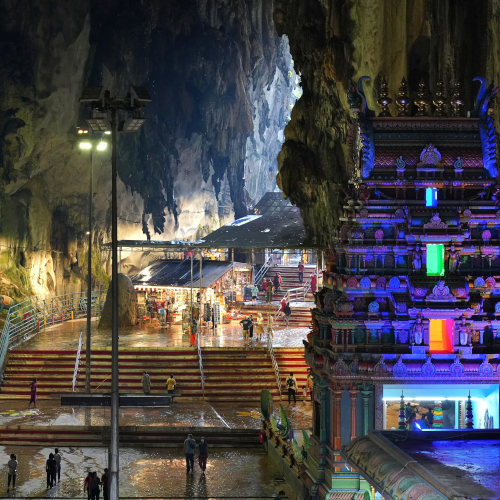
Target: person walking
{"points": [[202, 457], [189, 447], [276, 283], [260, 326], [314, 283], [255, 293], [250, 328], [287, 312], [33, 396], [12, 471], [291, 385], [57, 458], [146, 382], [86, 484], [310, 384], [50, 469], [269, 293], [270, 324], [301, 272], [245, 324], [105, 485], [171, 382], [94, 486]]}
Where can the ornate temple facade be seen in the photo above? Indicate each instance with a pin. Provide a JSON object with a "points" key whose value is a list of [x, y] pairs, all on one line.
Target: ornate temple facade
{"points": [[406, 331]]}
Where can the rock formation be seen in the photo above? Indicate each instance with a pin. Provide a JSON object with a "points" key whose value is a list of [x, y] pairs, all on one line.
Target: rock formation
{"points": [[127, 304], [333, 43], [222, 85]]}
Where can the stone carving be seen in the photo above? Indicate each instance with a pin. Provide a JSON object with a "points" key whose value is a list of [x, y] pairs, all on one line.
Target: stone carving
{"points": [[400, 164], [439, 100], [420, 292], [379, 236], [435, 223], [456, 101], [394, 283], [479, 282], [365, 282], [403, 101], [486, 235], [428, 369], [441, 292], [418, 331], [429, 156], [456, 368], [352, 282], [458, 165], [383, 98], [463, 332], [373, 307], [399, 369], [453, 260], [380, 369], [339, 368], [380, 283], [422, 100], [486, 369], [417, 259], [491, 282], [497, 308]]}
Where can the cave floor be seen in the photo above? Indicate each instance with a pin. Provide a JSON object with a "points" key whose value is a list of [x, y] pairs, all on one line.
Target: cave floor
{"points": [[65, 337]]}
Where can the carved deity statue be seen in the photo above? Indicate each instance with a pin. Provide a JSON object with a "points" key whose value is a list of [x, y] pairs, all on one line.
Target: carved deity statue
{"points": [[418, 331], [417, 259], [453, 260], [463, 332]]}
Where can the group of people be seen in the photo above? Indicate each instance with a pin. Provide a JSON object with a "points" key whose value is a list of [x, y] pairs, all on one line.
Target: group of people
{"points": [[146, 383], [92, 485], [249, 323], [416, 419], [292, 388], [189, 450]]}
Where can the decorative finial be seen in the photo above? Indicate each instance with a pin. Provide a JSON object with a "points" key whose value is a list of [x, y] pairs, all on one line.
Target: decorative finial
{"points": [[383, 98], [422, 100], [403, 100], [439, 100], [456, 102]]}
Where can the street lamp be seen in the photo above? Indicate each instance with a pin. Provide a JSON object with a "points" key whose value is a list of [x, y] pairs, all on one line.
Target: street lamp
{"points": [[88, 143], [114, 113]]}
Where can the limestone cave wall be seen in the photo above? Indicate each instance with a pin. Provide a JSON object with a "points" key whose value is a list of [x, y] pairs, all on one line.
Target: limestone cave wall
{"points": [[333, 43], [222, 84]]}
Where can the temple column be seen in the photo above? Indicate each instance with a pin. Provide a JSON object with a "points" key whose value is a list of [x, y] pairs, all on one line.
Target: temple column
{"points": [[379, 407], [336, 393], [323, 394], [365, 394], [354, 396]]}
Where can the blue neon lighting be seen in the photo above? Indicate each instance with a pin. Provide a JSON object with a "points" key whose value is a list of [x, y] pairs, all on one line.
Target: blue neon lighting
{"points": [[431, 197]]}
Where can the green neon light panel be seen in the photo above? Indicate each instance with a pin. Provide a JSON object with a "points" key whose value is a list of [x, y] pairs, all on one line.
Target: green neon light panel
{"points": [[435, 260]]}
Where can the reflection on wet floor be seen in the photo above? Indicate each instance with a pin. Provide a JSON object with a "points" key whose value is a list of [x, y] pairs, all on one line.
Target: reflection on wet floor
{"points": [[195, 414], [65, 337], [145, 473]]}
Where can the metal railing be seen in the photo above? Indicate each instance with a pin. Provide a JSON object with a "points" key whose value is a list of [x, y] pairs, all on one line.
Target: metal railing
{"points": [[270, 350], [259, 275], [200, 361], [32, 315]]}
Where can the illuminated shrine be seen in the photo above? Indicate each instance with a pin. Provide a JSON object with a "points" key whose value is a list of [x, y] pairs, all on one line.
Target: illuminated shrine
{"points": [[406, 331]]}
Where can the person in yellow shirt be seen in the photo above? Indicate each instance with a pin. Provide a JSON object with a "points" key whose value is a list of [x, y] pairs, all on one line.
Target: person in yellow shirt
{"points": [[171, 384]]}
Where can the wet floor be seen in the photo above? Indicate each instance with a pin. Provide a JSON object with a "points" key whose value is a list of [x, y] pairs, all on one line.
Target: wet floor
{"points": [[150, 335], [197, 414], [245, 473]]}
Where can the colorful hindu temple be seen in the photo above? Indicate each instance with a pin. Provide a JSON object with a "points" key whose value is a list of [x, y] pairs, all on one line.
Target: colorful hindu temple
{"points": [[406, 331]]}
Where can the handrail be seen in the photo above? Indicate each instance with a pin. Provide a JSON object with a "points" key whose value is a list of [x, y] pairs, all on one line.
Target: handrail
{"points": [[262, 271], [77, 361], [200, 361], [32, 315], [270, 351]]}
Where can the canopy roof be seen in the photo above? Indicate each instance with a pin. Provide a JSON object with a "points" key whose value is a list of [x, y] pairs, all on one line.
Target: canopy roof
{"points": [[170, 272]]}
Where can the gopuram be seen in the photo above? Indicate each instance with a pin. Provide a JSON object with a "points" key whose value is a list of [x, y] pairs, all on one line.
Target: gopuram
{"points": [[406, 330]]}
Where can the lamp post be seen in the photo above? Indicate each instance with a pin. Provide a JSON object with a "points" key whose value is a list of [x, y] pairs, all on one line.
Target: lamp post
{"points": [[86, 144], [115, 113]]}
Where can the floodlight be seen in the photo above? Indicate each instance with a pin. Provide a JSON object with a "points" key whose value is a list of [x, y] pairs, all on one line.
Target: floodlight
{"points": [[140, 96], [102, 146], [85, 145], [132, 124], [82, 131], [92, 94], [107, 132]]}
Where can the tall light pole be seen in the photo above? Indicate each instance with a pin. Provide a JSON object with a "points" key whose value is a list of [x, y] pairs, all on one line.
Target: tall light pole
{"points": [[87, 144], [118, 113]]}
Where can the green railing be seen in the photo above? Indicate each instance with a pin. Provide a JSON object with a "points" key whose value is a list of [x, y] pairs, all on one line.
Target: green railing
{"points": [[27, 318]]}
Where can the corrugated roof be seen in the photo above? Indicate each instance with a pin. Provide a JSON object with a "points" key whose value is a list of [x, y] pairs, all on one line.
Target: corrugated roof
{"points": [[170, 272]]}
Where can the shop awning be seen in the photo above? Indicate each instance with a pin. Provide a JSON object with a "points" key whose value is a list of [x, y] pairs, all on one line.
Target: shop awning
{"points": [[171, 272]]}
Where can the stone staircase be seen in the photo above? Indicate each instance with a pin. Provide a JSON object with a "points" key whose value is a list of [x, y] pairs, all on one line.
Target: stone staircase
{"points": [[231, 374], [300, 318], [290, 276]]}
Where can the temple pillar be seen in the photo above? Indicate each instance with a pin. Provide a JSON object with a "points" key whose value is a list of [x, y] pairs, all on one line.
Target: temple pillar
{"points": [[354, 397], [379, 407], [336, 393], [323, 394], [365, 394]]}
